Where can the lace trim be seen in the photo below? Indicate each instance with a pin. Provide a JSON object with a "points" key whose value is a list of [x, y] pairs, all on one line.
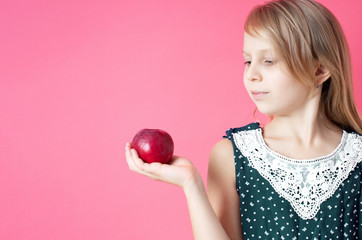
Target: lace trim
{"points": [[305, 184]]}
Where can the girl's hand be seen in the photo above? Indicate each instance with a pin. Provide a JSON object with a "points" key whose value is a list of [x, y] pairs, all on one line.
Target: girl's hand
{"points": [[179, 171]]}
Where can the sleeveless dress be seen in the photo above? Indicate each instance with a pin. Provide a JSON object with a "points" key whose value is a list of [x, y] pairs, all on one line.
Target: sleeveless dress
{"points": [[283, 198]]}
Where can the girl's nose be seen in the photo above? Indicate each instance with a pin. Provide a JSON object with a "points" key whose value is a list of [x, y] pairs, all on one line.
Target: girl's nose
{"points": [[253, 74]]}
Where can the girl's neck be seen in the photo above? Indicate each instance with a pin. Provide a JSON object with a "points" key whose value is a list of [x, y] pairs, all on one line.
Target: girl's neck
{"points": [[307, 131], [301, 139]]}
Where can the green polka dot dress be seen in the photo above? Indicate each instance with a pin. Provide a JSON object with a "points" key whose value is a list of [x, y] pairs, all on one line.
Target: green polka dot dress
{"points": [[283, 198]]}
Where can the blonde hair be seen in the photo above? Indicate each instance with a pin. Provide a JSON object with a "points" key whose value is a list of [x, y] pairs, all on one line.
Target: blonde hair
{"points": [[305, 34]]}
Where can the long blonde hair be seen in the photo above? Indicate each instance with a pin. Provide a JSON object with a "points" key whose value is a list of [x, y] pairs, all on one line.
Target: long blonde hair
{"points": [[305, 34]]}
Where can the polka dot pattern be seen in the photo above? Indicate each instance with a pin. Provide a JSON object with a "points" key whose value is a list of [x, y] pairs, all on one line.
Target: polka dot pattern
{"points": [[267, 215]]}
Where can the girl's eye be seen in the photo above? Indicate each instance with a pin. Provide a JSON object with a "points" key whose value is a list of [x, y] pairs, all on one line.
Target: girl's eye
{"points": [[269, 62], [247, 62]]}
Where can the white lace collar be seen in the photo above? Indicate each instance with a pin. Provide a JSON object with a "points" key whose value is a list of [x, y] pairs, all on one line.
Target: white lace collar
{"points": [[304, 183]]}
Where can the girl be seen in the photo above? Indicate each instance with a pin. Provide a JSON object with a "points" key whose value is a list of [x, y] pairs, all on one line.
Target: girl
{"points": [[299, 176]]}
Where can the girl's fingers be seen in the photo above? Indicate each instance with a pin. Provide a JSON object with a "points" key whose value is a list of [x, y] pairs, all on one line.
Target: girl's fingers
{"points": [[134, 162], [127, 154], [130, 163], [156, 171], [137, 160]]}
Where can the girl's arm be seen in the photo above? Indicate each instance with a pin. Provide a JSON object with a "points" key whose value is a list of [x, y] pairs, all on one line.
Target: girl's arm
{"points": [[221, 188], [181, 172]]}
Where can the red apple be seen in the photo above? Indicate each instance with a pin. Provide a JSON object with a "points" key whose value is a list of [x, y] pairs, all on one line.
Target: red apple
{"points": [[153, 145]]}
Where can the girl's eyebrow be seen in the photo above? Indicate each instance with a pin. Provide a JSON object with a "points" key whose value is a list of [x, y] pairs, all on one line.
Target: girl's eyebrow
{"points": [[260, 50]]}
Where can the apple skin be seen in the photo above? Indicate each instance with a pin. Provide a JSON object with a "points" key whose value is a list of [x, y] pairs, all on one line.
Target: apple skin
{"points": [[153, 145]]}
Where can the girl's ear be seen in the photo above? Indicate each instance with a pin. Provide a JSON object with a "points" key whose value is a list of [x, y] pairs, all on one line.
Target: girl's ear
{"points": [[322, 74]]}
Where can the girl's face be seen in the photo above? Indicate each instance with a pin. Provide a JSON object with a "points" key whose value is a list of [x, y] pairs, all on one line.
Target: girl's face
{"points": [[267, 80]]}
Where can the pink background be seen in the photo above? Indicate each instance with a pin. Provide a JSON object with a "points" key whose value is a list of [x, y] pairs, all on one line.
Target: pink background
{"points": [[79, 78]]}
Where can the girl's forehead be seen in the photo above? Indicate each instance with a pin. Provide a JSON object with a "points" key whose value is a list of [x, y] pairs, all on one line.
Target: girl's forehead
{"points": [[257, 44]]}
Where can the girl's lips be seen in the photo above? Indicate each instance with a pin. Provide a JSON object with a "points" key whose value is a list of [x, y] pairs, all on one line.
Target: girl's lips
{"points": [[258, 95]]}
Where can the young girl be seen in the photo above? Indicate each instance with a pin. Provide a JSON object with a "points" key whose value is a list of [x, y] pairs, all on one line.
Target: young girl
{"points": [[299, 176]]}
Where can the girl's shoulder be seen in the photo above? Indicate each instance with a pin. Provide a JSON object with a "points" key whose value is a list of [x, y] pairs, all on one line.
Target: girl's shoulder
{"points": [[223, 150], [248, 127], [352, 132], [354, 139]]}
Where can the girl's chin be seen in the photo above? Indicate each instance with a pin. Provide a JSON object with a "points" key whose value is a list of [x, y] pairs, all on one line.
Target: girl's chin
{"points": [[266, 111]]}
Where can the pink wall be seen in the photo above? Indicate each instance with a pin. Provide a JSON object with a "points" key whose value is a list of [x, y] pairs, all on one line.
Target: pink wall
{"points": [[79, 78]]}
